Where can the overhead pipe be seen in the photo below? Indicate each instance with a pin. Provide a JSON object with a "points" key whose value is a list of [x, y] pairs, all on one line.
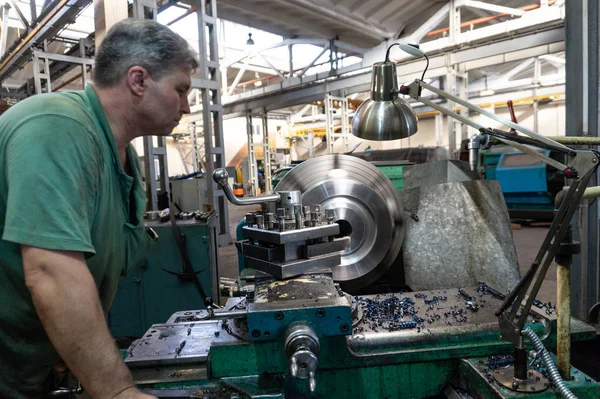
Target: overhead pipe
{"points": [[479, 21]]}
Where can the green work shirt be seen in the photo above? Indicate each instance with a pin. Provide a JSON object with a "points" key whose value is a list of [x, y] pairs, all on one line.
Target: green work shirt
{"points": [[62, 187]]}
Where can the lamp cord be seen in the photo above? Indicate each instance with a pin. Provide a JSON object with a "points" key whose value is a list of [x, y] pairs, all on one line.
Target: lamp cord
{"points": [[387, 58], [426, 66], [387, 53]]}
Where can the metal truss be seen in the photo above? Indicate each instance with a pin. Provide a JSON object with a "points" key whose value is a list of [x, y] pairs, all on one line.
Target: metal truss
{"points": [[314, 87]]}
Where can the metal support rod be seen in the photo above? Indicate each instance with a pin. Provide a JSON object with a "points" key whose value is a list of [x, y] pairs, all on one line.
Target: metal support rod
{"points": [[537, 68], [277, 71], [227, 314], [591, 192], [266, 153], [291, 55], [521, 363], [21, 16], [495, 117], [238, 77], [563, 321], [5, 16], [33, 11], [252, 163], [576, 140], [548, 249], [477, 126], [306, 68]]}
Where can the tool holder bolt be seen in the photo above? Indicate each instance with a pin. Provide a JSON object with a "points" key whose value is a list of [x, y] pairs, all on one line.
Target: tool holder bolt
{"points": [[329, 213], [250, 219], [259, 221]]}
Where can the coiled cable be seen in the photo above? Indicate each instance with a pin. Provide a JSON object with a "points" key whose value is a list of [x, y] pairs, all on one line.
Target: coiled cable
{"points": [[549, 363]]}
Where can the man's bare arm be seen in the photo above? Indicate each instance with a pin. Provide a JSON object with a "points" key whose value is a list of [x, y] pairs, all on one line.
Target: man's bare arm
{"points": [[65, 297]]}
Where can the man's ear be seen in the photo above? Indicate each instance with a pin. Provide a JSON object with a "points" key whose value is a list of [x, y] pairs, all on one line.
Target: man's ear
{"points": [[137, 79]]}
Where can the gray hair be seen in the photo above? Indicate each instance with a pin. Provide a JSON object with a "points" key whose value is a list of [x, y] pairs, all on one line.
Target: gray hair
{"points": [[146, 43]]}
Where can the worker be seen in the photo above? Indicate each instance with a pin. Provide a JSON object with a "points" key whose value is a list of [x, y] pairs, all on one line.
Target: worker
{"points": [[71, 209]]}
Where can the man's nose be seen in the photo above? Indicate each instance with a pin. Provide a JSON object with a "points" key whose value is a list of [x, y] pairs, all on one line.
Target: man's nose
{"points": [[185, 106]]}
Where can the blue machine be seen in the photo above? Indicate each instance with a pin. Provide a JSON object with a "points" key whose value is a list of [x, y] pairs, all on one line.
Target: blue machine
{"points": [[527, 184], [524, 181]]}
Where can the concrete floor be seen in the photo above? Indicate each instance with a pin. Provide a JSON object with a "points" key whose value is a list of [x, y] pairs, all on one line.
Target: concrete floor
{"points": [[527, 241]]}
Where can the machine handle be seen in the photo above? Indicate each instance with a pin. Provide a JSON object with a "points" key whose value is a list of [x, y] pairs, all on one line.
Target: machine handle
{"points": [[513, 117], [220, 176]]}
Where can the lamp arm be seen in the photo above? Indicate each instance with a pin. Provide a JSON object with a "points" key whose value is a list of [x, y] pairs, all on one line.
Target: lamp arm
{"points": [[414, 91], [414, 88]]}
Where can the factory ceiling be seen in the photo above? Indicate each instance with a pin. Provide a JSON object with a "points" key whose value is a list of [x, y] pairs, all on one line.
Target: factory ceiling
{"points": [[360, 23]]}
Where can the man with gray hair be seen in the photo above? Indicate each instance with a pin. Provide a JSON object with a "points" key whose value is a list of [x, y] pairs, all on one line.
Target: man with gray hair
{"points": [[71, 209]]}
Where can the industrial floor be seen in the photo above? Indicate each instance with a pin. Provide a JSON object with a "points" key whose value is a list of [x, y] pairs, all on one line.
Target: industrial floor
{"points": [[527, 240]]}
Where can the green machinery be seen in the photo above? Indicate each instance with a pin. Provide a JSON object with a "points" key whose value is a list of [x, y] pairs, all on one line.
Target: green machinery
{"points": [[299, 335], [157, 288], [194, 356]]}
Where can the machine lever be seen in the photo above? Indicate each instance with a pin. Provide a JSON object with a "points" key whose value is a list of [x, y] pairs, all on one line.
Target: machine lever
{"points": [[220, 176], [513, 117]]}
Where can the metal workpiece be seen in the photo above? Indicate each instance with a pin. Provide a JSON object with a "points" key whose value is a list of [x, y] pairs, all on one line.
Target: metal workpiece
{"points": [[470, 240], [302, 348], [366, 206]]}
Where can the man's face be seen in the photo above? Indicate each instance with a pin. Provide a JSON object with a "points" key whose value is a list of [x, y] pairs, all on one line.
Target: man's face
{"points": [[166, 101]]}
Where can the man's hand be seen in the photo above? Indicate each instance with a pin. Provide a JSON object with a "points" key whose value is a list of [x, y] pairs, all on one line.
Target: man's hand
{"points": [[66, 300]]}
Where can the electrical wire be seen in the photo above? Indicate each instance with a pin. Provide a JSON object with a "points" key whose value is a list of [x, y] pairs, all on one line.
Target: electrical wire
{"points": [[387, 57]]}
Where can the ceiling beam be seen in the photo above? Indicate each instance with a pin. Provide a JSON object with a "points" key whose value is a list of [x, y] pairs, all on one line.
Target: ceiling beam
{"points": [[271, 14], [364, 27], [296, 91], [490, 7]]}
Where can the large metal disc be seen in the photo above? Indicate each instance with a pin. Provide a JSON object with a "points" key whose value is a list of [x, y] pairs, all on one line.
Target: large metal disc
{"points": [[367, 208]]}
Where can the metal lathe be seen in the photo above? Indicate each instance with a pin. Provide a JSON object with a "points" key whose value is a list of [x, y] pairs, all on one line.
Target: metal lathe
{"points": [[308, 327]]}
